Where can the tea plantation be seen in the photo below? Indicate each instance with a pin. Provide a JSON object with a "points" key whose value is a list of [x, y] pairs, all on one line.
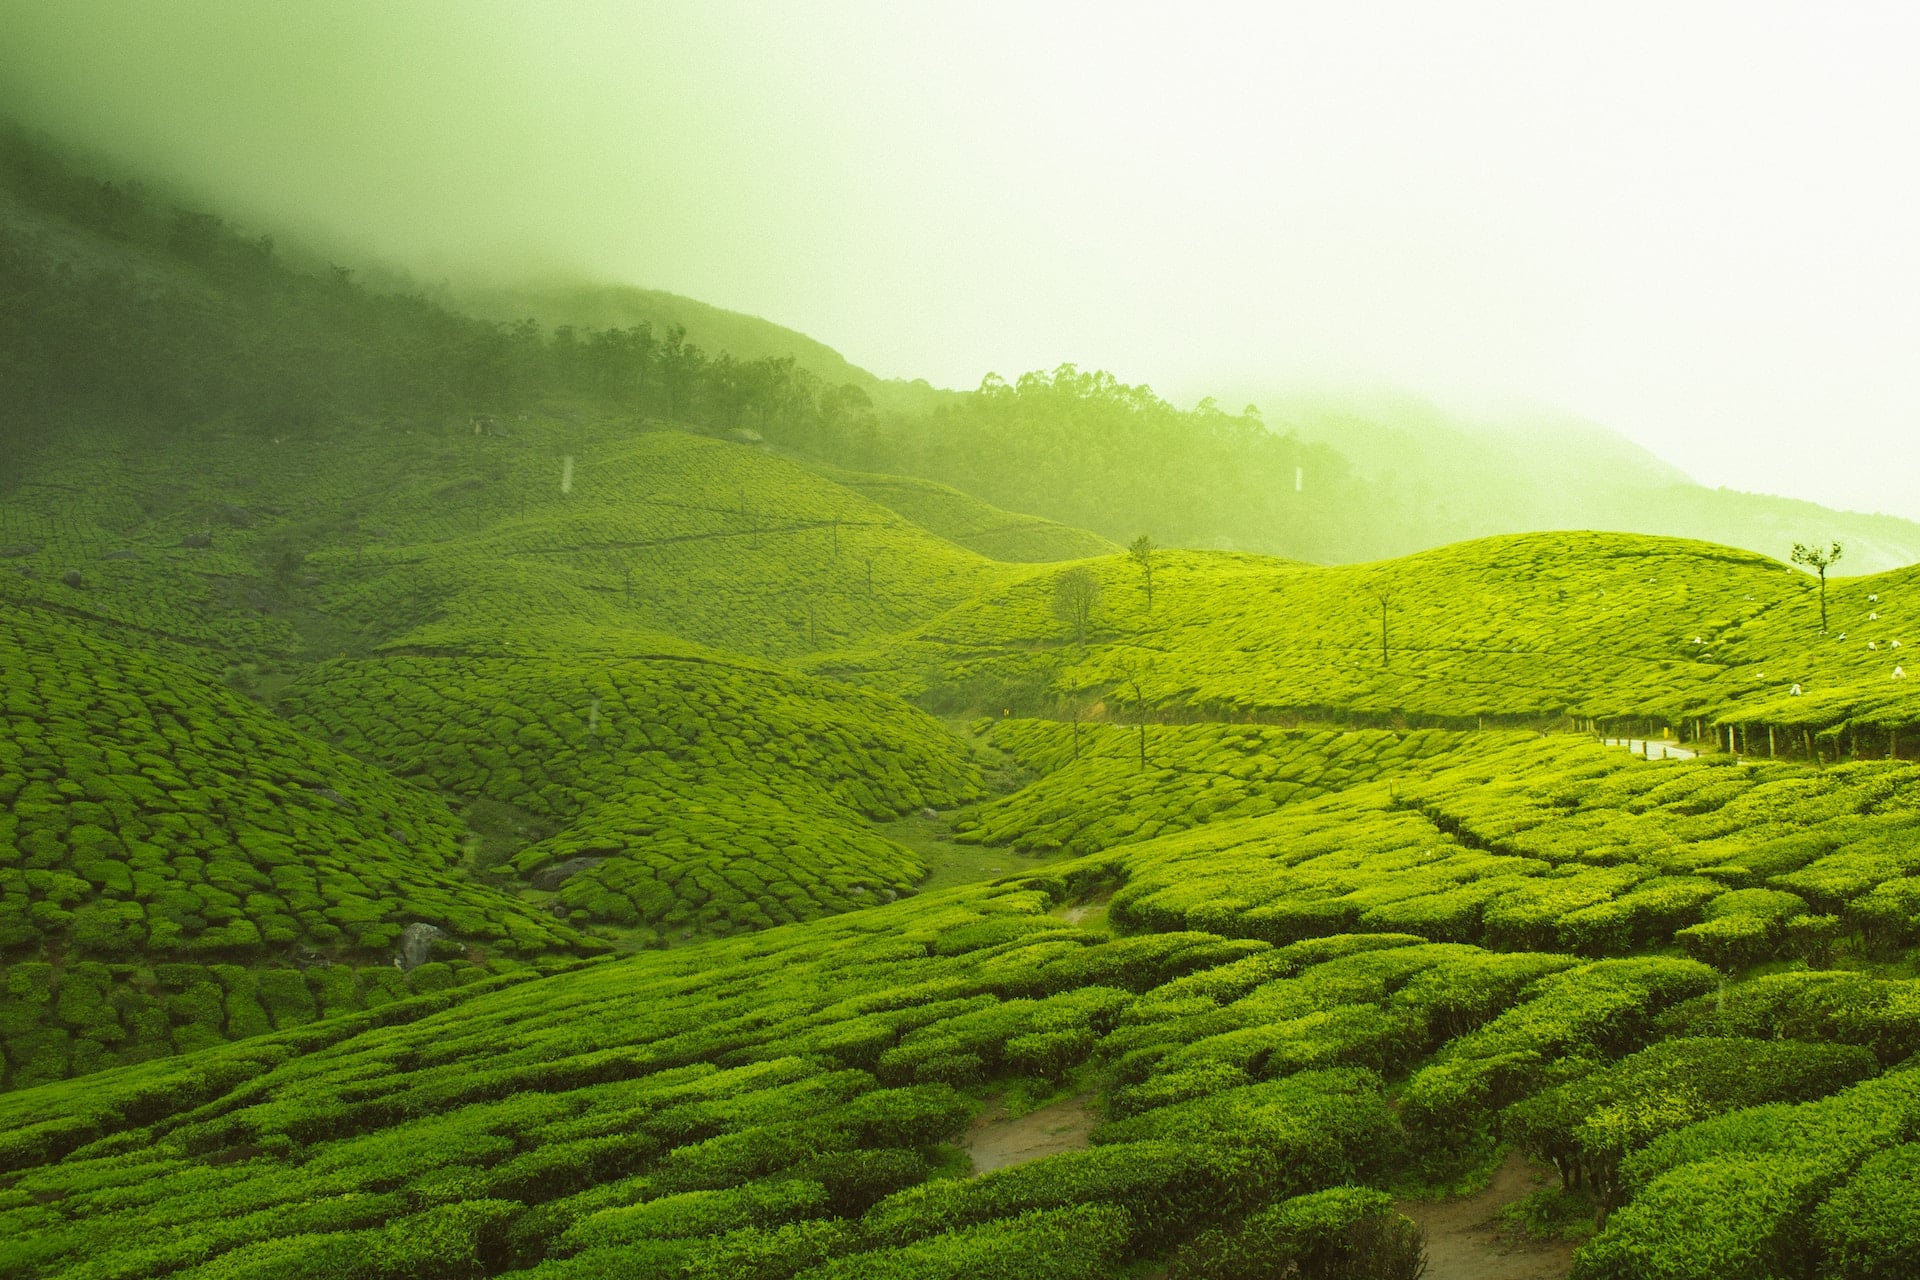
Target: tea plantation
{"points": [[360, 538], [581, 685], [964, 519], [173, 846], [455, 823], [687, 789], [1549, 630]]}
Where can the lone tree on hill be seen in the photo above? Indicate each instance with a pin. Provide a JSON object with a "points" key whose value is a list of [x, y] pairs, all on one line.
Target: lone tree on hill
{"points": [[1142, 551], [1075, 595], [1819, 561], [1385, 597], [1133, 673]]}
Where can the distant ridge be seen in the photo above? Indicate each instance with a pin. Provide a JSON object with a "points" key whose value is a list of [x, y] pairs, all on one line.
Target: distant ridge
{"points": [[588, 305]]}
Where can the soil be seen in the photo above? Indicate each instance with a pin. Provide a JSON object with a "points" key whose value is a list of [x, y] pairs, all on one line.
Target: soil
{"points": [[996, 1140], [1464, 1241]]}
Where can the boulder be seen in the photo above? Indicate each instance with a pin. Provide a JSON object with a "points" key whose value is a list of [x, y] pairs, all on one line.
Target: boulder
{"points": [[416, 944], [18, 550], [197, 540], [73, 579]]}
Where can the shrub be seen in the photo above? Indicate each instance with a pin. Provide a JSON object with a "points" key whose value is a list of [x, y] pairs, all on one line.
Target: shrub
{"points": [[1869, 1229], [1342, 1233]]}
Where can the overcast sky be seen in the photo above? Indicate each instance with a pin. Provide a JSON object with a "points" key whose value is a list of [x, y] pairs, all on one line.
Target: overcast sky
{"points": [[1697, 224]]}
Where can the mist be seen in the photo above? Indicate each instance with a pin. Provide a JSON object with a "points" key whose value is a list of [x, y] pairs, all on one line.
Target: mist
{"points": [[1690, 223]]}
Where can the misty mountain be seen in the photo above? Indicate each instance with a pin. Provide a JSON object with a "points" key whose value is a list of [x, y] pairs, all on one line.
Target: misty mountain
{"points": [[120, 303]]}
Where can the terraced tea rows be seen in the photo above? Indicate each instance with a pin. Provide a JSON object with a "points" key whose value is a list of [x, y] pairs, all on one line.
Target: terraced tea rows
{"points": [[1558, 844], [82, 1016], [153, 817], [691, 791], [964, 519], [1095, 796], [150, 812], [376, 537], [1541, 628], [770, 1108], [777, 1106]]}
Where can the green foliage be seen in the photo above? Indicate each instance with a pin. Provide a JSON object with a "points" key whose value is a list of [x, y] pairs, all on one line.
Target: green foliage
{"points": [[1869, 1229], [1732, 1195], [699, 794], [1342, 1233], [1588, 1125]]}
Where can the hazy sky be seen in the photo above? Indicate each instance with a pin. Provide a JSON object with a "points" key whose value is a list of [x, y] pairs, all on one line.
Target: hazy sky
{"points": [[1698, 224]]}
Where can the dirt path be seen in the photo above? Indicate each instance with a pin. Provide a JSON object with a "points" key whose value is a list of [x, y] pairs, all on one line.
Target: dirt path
{"points": [[995, 1140], [1651, 749], [1462, 1243]]}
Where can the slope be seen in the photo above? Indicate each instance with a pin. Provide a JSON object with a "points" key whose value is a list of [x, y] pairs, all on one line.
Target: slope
{"points": [[1536, 628], [684, 790], [978, 526], [156, 823], [781, 1105]]}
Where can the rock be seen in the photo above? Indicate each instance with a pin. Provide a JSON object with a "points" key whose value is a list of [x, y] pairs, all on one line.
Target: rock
{"points": [[73, 579], [335, 799], [399, 838], [122, 554], [559, 910], [18, 550], [550, 878], [928, 813], [197, 540], [416, 944], [236, 517], [26, 571]]}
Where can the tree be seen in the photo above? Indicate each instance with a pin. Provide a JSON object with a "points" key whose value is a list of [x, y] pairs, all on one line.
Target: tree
{"points": [[1142, 549], [1385, 598], [1076, 593], [1818, 561], [1134, 673]]}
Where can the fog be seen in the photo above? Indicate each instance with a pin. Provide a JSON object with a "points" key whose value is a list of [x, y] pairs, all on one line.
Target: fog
{"points": [[1692, 223]]}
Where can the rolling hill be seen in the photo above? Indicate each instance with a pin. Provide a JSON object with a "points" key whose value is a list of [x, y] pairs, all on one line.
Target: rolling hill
{"points": [[1540, 629]]}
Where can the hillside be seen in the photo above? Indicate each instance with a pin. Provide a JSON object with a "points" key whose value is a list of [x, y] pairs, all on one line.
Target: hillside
{"points": [[228, 326], [963, 519], [1542, 629], [605, 306], [772, 1108]]}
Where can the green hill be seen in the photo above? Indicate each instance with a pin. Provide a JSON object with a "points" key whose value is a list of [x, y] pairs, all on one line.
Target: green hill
{"points": [[156, 823], [963, 519], [1533, 628], [682, 791]]}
